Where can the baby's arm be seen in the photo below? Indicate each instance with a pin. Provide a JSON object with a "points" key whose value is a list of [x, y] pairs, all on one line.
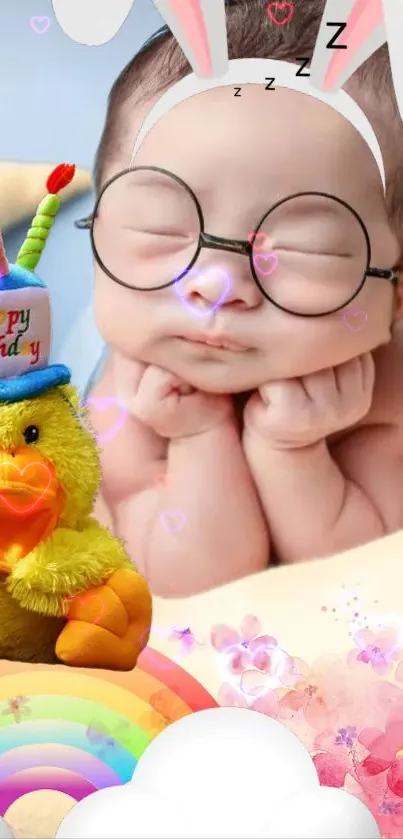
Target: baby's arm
{"points": [[314, 505], [207, 493]]}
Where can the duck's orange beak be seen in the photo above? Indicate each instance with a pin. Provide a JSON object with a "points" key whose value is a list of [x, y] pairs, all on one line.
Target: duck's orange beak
{"points": [[27, 482]]}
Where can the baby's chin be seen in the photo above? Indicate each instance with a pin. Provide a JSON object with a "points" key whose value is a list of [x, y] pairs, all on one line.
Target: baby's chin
{"points": [[212, 377]]}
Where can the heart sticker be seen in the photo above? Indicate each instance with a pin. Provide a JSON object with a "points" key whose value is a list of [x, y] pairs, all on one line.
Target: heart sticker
{"points": [[265, 263], [254, 684], [253, 238], [274, 8], [172, 520], [102, 403], [355, 321], [80, 599], [21, 472], [40, 25], [225, 281]]}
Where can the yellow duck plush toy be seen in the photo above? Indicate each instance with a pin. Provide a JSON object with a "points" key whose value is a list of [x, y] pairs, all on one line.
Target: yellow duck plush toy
{"points": [[68, 591]]}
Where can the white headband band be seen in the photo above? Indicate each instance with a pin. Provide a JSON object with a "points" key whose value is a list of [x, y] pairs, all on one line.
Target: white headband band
{"points": [[255, 71]]}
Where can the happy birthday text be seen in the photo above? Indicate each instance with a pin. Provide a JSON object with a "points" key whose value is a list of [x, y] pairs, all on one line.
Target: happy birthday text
{"points": [[13, 326]]}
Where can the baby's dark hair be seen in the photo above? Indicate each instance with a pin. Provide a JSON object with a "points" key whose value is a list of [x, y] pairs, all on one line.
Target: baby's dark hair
{"points": [[251, 34]]}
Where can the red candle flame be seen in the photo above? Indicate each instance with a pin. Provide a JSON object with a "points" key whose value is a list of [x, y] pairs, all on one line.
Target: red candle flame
{"points": [[60, 177]]}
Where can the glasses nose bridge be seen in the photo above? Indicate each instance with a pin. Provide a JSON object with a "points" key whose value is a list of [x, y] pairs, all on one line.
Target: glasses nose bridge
{"points": [[239, 246]]}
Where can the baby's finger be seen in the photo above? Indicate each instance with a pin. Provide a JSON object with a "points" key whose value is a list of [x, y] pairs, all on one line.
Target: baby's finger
{"points": [[157, 383], [367, 372], [321, 387], [348, 377], [283, 394]]}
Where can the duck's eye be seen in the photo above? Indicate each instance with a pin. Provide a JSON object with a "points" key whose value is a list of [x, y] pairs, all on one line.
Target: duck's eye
{"points": [[31, 434]]}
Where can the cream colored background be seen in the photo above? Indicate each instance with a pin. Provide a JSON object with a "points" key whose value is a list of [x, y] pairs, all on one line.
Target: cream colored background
{"points": [[287, 601]]}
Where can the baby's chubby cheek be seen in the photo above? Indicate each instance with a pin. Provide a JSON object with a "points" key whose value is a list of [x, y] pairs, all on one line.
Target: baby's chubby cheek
{"points": [[140, 327], [124, 317], [306, 345]]}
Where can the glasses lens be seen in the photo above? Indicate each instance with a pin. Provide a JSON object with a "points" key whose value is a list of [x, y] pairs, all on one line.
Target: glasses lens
{"points": [[146, 231], [310, 254]]}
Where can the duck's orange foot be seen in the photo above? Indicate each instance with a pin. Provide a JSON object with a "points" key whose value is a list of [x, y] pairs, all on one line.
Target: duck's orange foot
{"points": [[108, 625]]}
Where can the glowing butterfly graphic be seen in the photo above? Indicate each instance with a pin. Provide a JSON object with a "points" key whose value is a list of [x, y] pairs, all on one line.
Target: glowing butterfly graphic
{"points": [[101, 739], [17, 708], [186, 638], [166, 708]]}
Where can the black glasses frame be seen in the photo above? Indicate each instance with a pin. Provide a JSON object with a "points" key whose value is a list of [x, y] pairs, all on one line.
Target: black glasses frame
{"points": [[239, 246]]}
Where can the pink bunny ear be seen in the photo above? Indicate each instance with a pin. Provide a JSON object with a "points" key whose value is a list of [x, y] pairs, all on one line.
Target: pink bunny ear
{"points": [[350, 31], [200, 28]]}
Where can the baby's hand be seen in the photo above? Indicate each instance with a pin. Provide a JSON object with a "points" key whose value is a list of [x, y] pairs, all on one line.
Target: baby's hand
{"points": [[299, 412], [173, 408]]}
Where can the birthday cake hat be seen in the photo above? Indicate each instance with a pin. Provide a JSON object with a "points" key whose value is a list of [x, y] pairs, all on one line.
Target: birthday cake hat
{"points": [[25, 311]]}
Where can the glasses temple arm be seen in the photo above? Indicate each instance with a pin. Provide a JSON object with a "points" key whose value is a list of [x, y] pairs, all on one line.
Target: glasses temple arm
{"points": [[84, 223]]}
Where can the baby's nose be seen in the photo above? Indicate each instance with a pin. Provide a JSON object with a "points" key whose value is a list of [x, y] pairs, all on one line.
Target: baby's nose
{"points": [[209, 287]]}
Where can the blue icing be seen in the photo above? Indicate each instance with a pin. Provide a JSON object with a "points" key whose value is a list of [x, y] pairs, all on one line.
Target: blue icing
{"points": [[20, 277]]}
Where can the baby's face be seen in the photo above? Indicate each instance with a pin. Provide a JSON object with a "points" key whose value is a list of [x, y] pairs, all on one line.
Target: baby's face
{"points": [[239, 158]]}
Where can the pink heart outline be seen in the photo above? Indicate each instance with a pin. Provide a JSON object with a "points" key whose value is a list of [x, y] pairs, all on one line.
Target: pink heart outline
{"points": [[279, 5], [168, 519], [348, 319], [265, 257], [202, 274], [259, 688], [39, 20], [101, 403], [80, 598], [252, 239], [21, 472]]}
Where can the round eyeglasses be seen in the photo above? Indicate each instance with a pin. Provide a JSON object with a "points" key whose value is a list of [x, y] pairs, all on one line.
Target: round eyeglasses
{"points": [[309, 254]]}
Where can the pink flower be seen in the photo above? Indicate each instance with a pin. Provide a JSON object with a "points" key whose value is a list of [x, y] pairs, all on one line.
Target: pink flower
{"points": [[230, 696], [243, 649], [328, 695], [380, 651], [338, 753], [309, 697], [385, 751], [331, 770]]}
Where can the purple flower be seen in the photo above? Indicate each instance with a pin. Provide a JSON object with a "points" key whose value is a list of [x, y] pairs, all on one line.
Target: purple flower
{"points": [[389, 808], [373, 655], [346, 736], [379, 651]]}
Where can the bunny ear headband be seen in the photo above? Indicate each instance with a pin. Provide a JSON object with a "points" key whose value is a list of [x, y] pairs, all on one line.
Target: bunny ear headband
{"points": [[350, 32]]}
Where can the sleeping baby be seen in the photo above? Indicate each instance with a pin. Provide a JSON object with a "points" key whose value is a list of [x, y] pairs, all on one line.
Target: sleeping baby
{"points": [[247, 285]]}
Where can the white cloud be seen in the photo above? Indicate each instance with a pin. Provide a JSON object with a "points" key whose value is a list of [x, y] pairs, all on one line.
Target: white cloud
{"points": [[5, 830], [224, 773]]}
